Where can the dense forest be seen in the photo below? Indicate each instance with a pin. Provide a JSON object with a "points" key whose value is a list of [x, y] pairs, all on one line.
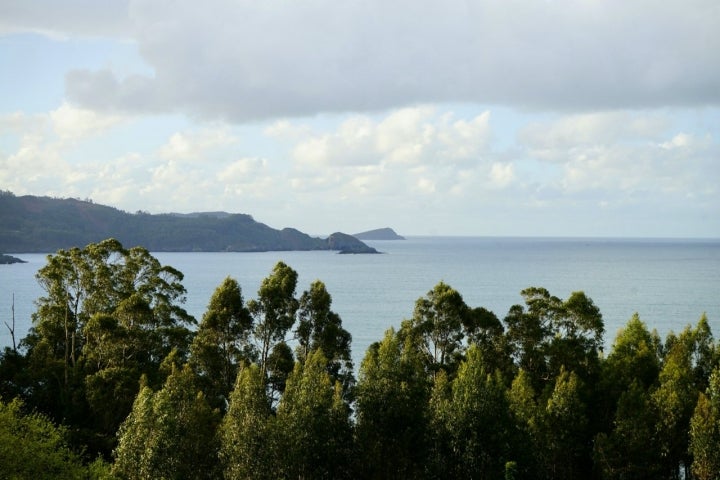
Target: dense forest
{"points": [[116, 380], [42, 224]]}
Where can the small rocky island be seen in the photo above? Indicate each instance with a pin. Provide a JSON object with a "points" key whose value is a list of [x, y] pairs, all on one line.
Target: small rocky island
{"points": [[386, 233], [9, 259]]}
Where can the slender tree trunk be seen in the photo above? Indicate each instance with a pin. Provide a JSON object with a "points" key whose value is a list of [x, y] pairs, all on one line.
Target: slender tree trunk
{"points": [[12, 329]]}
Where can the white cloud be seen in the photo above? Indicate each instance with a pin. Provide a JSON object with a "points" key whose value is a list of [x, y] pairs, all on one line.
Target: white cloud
{"points": [[247, 60], [502, 175], [67, 18], [409, 136], [197, 145], [71, 123]]}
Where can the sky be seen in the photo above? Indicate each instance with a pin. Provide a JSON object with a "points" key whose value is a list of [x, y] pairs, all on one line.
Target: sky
{"points": [[462, 117]]}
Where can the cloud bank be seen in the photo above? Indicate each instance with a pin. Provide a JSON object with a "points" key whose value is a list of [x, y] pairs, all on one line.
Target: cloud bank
{"points": [[245, 60]]}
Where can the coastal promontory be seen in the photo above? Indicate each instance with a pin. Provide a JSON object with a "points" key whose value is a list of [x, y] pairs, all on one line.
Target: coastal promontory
{"points": [[31, 224]]}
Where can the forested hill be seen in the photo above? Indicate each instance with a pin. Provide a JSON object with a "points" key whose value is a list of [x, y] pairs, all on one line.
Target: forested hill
{"points": [[43, 224]]}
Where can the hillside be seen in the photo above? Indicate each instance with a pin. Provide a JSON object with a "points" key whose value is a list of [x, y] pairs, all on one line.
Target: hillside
{"points": [[42, 224]]}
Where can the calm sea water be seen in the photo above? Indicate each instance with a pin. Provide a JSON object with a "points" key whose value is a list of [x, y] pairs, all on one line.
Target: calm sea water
{"points": [[670, 283]]}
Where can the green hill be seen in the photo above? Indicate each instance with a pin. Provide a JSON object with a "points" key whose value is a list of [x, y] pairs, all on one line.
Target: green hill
{"points": [[42, 224]]}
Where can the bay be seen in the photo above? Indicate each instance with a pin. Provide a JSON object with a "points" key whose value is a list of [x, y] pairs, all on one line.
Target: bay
{"points": [[669, 283]]}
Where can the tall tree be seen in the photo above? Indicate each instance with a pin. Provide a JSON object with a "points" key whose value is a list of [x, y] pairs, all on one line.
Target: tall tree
{"points": [[170, 434], [274, 310], [631, 449], [108, 314], [676, 398], [247, 443], [222, 341], [526, 414], [320, 328], [564, 431], [705, 431], [313, 424], [438, 320], [392, 399], [479, 421]]}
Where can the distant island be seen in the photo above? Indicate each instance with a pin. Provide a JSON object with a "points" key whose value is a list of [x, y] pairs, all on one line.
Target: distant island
{"points": [[30, 224], [379, 234], [9, 259]]}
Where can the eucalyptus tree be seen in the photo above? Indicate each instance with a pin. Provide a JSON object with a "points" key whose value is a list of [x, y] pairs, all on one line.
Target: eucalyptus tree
{"points": [[705, 431], [438, 320], [108, 315], [248, 447], [552, 335], [526, 413], [274, 311], [478, 421], [320, 328], [630, 450], [391, 410], [675, 398], [222, 341], [169, 434], [565, 437], [313, 424]]}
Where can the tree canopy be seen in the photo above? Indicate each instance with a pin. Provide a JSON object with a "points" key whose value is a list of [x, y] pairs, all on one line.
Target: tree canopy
{"points": [[265, 387]]}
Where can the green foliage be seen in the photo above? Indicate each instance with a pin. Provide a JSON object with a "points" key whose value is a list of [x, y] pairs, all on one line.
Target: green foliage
{"points": [[170, 434], [247, 446], [392, 395], [479, 422], [108, 315], [675, 398], [563, 431], [631, 449], [705, 432], [438, 320], [313, 425], [454, 393], [32, 447], [319, 328], [222, 341], [274, 310]]}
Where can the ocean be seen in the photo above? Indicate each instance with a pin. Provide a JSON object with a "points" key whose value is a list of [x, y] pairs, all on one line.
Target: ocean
{"points": [[669, 283]]}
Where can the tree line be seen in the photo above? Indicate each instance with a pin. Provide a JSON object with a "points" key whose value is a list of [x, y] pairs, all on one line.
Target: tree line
{"points": [[116, 380]]}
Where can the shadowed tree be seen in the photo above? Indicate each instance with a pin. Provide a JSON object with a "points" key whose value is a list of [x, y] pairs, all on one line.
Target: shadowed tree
{"points": [[274, 310], [705, 431], [222, 341], [392, 398], [523, 405], [438, 322], [247, 444], [108, 314], [313, 424], [32, 447], [676, 398], [630, 450], [479, 421], [170, 434], [319, 328], [565, 440]]}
